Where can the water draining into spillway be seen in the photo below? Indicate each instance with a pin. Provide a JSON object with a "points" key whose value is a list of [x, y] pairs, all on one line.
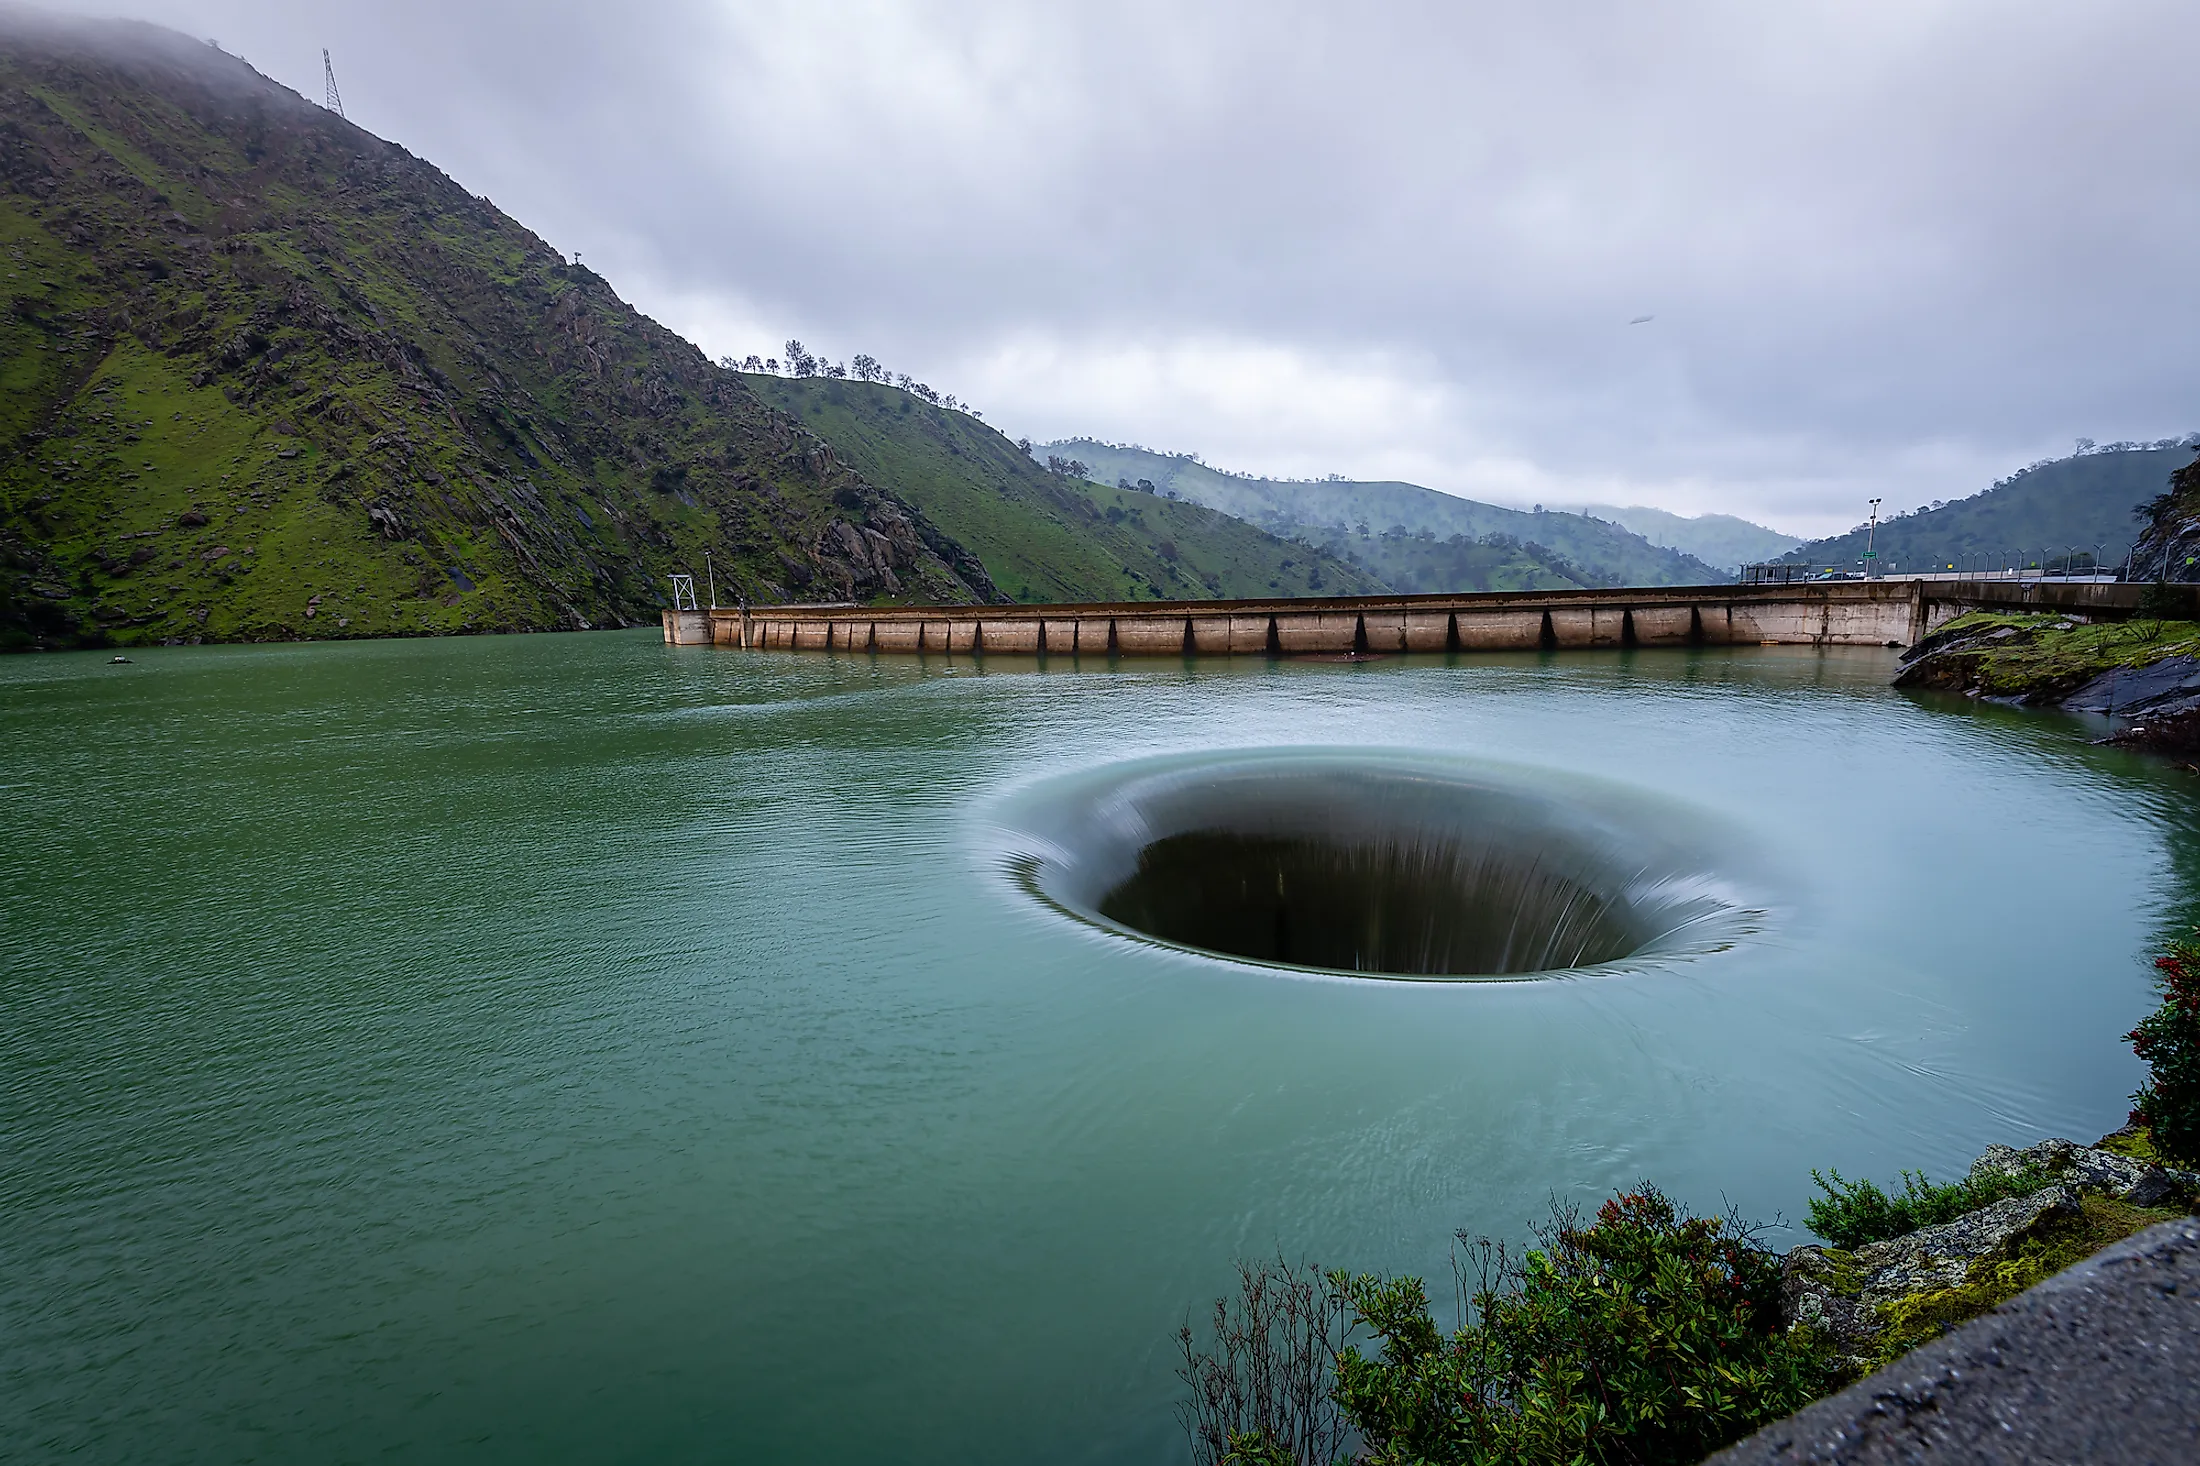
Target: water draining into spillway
{"points": [[1378, 864]]}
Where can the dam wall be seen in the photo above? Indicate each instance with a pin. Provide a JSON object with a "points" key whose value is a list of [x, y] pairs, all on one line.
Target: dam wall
{"points": [[1834, 613]]}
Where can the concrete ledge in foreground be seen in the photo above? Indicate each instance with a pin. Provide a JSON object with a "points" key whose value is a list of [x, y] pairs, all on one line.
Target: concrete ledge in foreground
{"points": [[2099, 1364]]}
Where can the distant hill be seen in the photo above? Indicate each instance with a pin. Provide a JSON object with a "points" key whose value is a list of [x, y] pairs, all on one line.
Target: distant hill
{"points": [[264, 375], [1358, 515], [1716, 539], [1044, 536], [2048, 509]]}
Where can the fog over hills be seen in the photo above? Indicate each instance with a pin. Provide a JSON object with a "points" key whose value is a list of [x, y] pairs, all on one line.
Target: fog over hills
{"points": [[1359, 517], [1716, 539]]}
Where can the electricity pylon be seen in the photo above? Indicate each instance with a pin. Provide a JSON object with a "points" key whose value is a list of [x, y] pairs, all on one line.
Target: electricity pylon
{"points": [[328, 74]]}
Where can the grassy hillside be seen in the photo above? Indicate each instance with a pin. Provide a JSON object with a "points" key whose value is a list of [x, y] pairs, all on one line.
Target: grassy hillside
{"points": [[1716, 539], [1044, 537], [264, 375], [1605, 554], [2043, 511]]}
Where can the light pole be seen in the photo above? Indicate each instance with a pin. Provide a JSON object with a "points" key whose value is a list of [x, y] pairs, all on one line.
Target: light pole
{"points": [[711, 577], [1871, 536]]}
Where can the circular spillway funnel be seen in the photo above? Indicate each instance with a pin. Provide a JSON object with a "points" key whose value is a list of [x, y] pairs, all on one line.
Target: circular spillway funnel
{"points": [[1379, 864]]}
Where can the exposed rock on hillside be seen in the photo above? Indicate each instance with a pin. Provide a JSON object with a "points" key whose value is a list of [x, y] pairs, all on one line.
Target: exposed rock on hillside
{"points": [[257, 359], [1872, 1296], [2169, 547]]}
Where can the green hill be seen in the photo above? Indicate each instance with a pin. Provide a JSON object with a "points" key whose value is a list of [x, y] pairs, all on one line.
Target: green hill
{"points": [[1600, 553], [2047, 511], [1044, 536], [1716, 539], [264, 375]]}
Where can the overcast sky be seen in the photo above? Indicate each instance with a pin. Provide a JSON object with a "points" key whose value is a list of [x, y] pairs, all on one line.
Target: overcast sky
{"points": [[1895, 247]]}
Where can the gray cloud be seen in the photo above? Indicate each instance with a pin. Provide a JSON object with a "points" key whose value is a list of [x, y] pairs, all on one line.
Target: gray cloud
{"points": [[1891, 248]]}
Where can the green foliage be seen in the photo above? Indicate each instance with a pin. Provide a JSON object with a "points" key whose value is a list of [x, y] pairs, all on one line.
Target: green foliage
{"points": [[2158, 602], [1648, 1336], [1855, 1214], [2168, 1040]]}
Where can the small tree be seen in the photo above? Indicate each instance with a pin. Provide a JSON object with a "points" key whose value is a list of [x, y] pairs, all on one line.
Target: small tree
{"points": [[799, 361], [2168, 1104], [865, 367]]}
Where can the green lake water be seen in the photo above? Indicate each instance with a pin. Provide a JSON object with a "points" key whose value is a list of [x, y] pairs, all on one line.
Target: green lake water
{"points": [[573, 1049]]}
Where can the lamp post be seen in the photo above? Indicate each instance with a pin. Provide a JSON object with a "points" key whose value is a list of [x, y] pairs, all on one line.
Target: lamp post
{"points": [[1871, 537]]}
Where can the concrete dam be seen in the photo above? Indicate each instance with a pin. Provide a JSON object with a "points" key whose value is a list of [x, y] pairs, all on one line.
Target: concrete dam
{"points": [[1832, 613]]}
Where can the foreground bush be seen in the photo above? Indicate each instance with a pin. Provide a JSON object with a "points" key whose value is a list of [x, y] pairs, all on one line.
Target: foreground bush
{"points": [[1648, 1336], [1855, 1213], [2169, 1040], [1261, 1388]]}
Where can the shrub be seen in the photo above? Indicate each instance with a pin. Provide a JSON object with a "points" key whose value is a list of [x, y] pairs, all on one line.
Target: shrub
{"points": [[2168, 1039], [2158, 602], [1261, 1388], [1853, 1214], [1647, 1336]]}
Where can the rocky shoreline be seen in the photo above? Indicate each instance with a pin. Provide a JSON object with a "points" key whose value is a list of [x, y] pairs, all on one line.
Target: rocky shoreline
{"points": [[1876, 1302], [2143, 674]]}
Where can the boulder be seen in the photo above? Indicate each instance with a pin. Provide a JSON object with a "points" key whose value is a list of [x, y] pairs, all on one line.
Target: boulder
{"points": [[1941, 1257], [1840, 1293], [2089, 1168], [2129, 691]]}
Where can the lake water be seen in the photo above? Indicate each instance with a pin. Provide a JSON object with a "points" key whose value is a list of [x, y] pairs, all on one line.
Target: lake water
{"points": [[572, 1049]]}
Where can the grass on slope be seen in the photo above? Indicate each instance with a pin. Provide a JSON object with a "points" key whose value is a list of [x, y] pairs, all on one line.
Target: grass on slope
{"points": [[1601, 553], [1043, 537], [264, 375]]}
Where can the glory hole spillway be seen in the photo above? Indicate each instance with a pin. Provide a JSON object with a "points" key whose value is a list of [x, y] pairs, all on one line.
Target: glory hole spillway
{"points": [[1358, 861], [571, 1048]]}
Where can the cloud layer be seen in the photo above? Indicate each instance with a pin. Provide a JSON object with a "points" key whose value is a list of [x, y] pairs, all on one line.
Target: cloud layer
{"points": [[1890, 248]]}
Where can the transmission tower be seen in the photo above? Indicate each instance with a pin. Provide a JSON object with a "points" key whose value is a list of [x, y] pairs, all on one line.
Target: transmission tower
{"points": [[328, 74]]}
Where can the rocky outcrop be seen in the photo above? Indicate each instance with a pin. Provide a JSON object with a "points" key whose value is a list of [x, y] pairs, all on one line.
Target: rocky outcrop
{"points": [[2169, 548], [1845, 1295], [2143, 675], [2092, 1168], [2095, 1364]]}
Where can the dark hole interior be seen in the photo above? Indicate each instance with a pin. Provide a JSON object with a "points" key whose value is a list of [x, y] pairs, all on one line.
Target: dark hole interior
{"points": [[1410, 905]]}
